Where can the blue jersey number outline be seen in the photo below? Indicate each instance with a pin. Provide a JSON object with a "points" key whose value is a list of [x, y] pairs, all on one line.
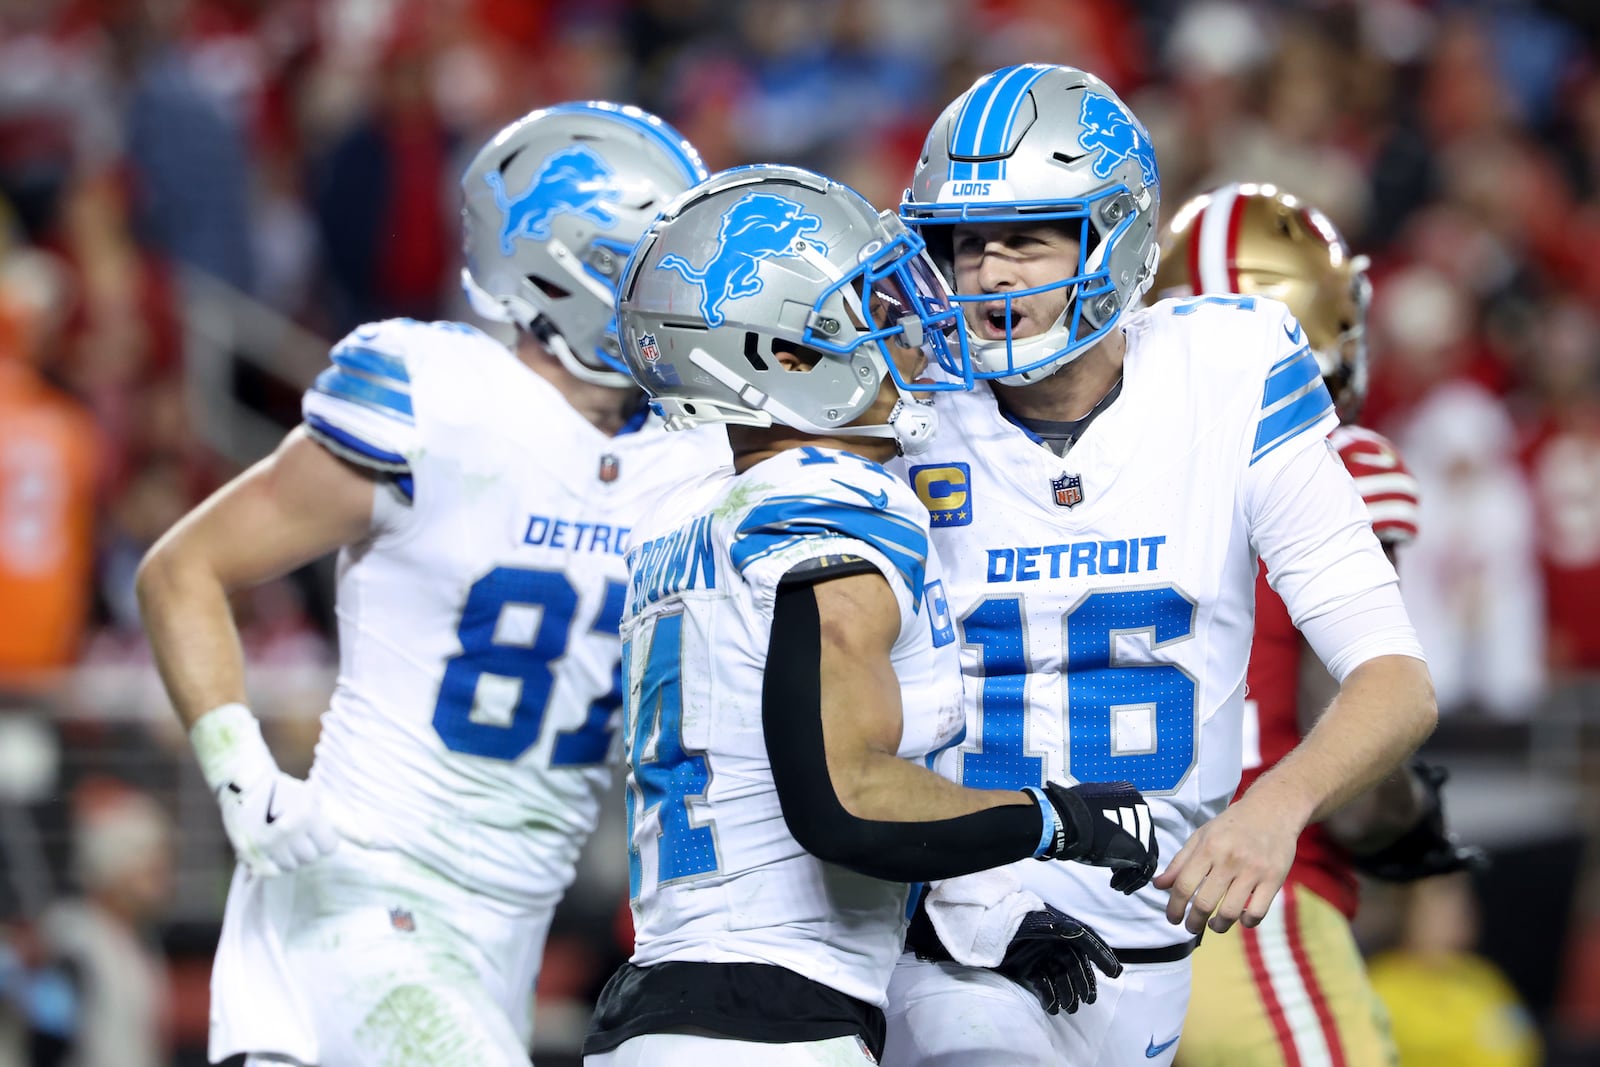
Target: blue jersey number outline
{"points": [[1099, 690], [549, 592], [665, 776]]}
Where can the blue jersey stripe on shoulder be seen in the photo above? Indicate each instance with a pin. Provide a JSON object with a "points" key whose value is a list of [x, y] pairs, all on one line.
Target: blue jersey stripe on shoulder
{"points": [[1292, 420], [344, 385], [1291, 379], [779, 522], [350, 441], [1286, 360], [371, 361]]}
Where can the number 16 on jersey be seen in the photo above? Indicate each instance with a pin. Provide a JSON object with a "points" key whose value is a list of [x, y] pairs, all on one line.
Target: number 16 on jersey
{"points": [[1125, 721]]}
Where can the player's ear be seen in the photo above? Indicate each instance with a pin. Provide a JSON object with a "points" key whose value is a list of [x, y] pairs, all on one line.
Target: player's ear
{"points": [[793, 357]]}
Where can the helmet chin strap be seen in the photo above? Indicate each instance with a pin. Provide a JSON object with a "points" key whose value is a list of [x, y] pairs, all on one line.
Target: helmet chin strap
{"points": [[914, 423], [521, 314], [580, 370]]}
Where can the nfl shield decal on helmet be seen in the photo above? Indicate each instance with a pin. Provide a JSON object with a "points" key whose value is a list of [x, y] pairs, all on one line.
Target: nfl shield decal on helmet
{"points": [[1068, 489], [648, 348]]}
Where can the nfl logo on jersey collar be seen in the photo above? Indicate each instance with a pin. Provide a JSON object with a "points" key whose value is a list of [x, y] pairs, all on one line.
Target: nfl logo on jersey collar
{"points": [[1068, 490]]}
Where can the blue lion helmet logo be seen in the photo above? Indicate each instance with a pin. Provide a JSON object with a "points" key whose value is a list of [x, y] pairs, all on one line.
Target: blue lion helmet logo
{"points": [[1109, 127], [573, 181], [758, 227]]}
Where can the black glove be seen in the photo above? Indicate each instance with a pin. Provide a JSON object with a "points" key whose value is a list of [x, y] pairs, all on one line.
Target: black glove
{"points": [[1052, 955], [1105, 824], [1055, 956], [1427, 848]]}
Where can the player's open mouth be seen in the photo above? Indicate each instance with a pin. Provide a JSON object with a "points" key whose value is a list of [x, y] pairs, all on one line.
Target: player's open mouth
{"points": [[997, 320]]}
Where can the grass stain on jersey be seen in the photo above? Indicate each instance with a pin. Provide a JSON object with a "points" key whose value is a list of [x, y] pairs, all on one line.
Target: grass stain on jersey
{"points": [[414, 1025], [739, 499]]}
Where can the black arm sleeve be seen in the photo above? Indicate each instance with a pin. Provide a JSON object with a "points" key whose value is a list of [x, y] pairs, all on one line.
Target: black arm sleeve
{"points": [[791, 719]]}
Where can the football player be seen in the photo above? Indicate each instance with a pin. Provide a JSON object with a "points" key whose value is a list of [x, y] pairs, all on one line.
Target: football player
{"points": [[1101, 503], [481, 501], [1293, 990], [789, 656]]}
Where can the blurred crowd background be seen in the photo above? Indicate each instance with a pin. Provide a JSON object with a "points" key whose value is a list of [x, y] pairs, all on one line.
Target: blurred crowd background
{"points": [[198, 196]]}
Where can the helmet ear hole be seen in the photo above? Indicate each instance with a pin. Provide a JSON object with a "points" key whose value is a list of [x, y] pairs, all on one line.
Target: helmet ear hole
{"points": [[548, 287]]}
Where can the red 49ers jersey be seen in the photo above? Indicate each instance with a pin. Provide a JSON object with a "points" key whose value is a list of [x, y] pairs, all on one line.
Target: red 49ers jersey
{"points": [[1271, 719]]}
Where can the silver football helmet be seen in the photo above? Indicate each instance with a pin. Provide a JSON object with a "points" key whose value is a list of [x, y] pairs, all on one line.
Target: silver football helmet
{"points": [[1042, 143], [551, 208], [767, 256]]}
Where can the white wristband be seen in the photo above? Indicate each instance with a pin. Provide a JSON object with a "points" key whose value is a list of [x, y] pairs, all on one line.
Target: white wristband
{"points": [[228, 745]]}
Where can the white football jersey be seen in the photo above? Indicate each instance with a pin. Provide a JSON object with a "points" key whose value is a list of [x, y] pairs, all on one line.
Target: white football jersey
{"points": [[473, 726], [716, 875], [1105, 601]]}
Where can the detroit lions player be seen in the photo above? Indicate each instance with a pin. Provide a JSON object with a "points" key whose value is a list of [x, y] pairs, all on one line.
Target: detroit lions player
{"points": [[788, 654], [481, 501], [1100, 506], [1295, 990]]}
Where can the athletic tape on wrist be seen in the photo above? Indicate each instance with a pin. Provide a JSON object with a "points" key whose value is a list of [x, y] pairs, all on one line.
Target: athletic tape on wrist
{"points": [[226, 740]]}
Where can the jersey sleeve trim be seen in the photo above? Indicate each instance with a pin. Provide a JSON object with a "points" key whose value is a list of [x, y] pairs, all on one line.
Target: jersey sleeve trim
{"points": [[1292, 374], [1394, 521], [781, 521], [369, 378], [1290, 409], [351, 447], [354, 450]]}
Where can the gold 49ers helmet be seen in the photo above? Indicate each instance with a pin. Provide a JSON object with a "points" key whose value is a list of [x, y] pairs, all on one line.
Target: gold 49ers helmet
{"points": [[1256, 240]]}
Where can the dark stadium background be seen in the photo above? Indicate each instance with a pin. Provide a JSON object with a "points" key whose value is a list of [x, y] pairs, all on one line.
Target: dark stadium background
{"points": [[198, 196]]}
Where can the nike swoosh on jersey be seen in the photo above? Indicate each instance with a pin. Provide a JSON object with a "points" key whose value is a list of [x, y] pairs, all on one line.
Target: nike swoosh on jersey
{"points": [[1295, 335], [879, 500], [1152, 1050], [272, 816]]}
